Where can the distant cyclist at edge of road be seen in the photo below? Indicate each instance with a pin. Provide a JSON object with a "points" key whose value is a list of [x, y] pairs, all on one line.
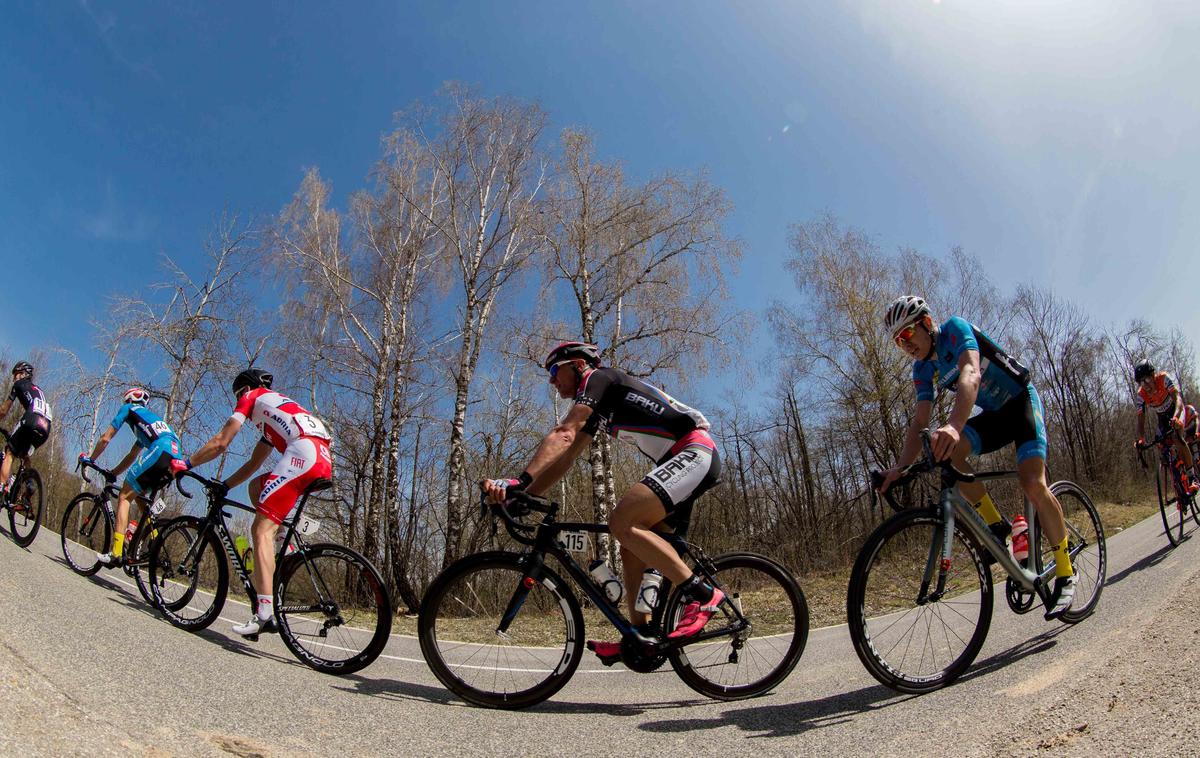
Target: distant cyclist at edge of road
{"points": [[1011, 413], [303, 442], [159, 445], [666, 431], [1160, 391], [33, 429]]}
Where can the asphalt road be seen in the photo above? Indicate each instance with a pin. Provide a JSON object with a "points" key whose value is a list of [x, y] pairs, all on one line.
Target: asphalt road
{"points": [[89, 669]]}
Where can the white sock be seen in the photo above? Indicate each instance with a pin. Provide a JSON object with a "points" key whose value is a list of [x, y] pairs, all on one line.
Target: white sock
{"points": [[266, 607]]}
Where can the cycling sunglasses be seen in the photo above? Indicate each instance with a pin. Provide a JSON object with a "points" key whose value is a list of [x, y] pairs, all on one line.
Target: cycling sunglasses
{"points": [[554, 367], [905, 335]]}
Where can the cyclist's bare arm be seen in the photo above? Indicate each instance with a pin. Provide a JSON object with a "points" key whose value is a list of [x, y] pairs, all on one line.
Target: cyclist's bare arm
{"points": [[558, 451], [218, 444], [922, 412], [261, 451], [102, 443], [127, 461]]}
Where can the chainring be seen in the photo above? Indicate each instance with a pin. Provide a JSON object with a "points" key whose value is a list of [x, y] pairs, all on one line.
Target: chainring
{"points": [[1019, 599]]}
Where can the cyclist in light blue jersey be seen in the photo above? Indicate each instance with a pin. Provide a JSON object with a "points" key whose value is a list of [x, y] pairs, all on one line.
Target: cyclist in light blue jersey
{"points": [[1011, 413], [148, 470]]}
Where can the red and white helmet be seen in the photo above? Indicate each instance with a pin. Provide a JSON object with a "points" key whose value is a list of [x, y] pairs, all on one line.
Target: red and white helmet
{"points": [[136, 396], [904, 311]]}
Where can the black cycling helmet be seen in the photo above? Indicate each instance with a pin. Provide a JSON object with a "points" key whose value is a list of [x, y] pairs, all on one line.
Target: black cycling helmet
{"points": [[568, 350], [1142, 370], [252, 378], [23, 367]]}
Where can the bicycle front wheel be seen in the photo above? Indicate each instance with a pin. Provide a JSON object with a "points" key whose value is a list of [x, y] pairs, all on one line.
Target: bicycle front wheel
{"points": [[757, 653], [85, 533], [1086, 546], [188, 574], [1172, 511], [460, 638], [25, 507], [333, 611], [905, 639]]}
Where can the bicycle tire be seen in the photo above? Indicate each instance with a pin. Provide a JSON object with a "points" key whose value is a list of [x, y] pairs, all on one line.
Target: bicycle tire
{"points": [[1091, 565], [25, 507], [771, 599], [897, 552], [459, 615], [178, 562], [139, 557], [302, 579], [1169, 514], [86, 531]]}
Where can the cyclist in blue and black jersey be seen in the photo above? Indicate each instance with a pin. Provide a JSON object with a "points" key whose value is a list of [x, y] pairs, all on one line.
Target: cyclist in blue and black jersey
{"points": [[1011, 412], [34, 427], [149, 470]]}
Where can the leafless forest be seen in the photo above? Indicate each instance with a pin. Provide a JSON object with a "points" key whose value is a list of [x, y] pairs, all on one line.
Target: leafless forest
{"points": [[412, 317]]}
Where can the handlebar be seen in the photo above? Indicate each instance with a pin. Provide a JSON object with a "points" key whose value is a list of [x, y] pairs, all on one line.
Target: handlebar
{"points": [[950, 474], [83, 466], [518, 504], [208, 484]]}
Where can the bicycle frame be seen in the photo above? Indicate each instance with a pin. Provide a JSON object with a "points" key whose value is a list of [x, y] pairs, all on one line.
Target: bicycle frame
{"points": [[111, 491], [214, 521], [545, 541]]}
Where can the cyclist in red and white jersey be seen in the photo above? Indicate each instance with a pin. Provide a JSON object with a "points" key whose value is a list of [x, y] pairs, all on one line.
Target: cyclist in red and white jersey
{"points": [[303, 442]]}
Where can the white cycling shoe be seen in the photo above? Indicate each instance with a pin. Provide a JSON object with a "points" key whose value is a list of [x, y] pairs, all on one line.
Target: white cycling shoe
{"points": [[254, 627]]}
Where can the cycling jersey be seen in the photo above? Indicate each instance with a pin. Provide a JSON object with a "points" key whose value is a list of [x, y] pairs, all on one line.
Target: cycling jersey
{"points": [[1011, 409], [31, 398], [1001, 378], [664, 429], [147, 425], [1191, 424], [281, 420], [640, 414], [1163, 394]]}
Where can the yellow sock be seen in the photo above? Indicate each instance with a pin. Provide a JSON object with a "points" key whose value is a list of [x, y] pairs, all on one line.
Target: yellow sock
{"points": [[1062, 561], [118, 544], [987, 509]]}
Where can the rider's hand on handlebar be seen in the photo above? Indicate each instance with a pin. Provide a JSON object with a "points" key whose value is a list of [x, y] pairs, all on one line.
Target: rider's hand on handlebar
{"points": [[1140, 443], [888, 477], [84, 458], [496, 490], [944, 441], [178, 466]]}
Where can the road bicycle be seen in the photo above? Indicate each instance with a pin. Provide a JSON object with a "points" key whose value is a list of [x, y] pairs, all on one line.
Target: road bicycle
{"points": [[503, 629], [920, 598], [331, 606], [24, 499], [1174, 509], [88, 524]]}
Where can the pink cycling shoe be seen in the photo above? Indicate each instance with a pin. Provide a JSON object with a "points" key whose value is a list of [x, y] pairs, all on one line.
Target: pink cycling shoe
{"points": [[695, 616]]}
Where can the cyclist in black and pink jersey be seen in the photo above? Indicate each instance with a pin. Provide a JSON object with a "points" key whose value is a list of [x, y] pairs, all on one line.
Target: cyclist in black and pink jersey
{"points": [[666, 431], [303, 442], [34, 427]]}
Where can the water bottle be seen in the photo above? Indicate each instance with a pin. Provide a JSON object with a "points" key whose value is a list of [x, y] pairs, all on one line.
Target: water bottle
{"points": [[648, 593], [1020, 538], [604, 577], [129, 530], [11, 481]]}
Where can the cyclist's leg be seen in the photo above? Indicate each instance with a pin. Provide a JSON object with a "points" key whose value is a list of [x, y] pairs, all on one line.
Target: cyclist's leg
{"points": [[276, 494]]}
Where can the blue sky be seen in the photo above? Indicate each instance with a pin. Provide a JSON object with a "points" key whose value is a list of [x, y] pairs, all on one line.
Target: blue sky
{"points": [[1058, 141]]}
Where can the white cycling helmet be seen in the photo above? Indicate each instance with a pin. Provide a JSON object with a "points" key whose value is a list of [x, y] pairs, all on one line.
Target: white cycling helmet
{"points": [[904, 311], [136, 396]]}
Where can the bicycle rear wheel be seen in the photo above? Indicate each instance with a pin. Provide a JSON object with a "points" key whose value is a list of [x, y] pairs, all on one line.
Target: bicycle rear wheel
{"points": [[25, 507], [85, 533], [458, 624], [753, 660], [188, 574], [913, 645], [1172, 511], [1086, 546], [333, 611]]}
